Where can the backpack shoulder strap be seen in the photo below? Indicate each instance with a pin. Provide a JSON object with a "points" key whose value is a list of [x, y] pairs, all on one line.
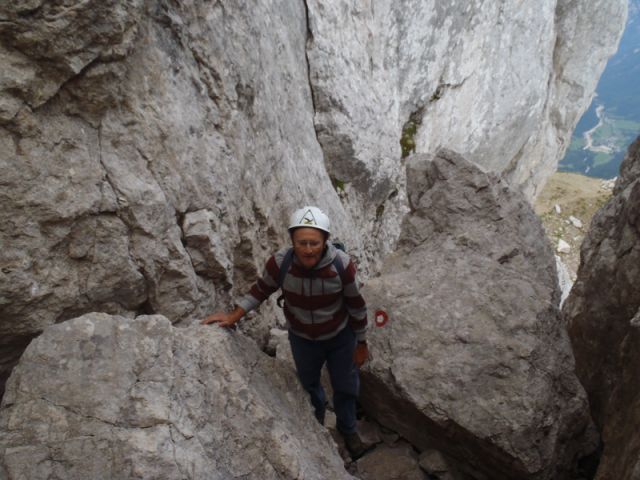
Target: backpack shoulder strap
{"points": [[337, 263], [340, 246], [284, 269], [284, 266]]}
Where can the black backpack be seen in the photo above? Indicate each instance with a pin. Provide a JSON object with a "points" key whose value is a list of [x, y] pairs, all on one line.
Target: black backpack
{"points": [[288, 260]]}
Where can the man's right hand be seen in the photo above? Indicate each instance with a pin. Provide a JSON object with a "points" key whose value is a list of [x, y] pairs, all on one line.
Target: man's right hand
{"points": [[224, 319], [361, 354]]}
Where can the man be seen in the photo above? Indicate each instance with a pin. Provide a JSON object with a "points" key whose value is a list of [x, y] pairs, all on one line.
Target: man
{"points": [[326, 316]]}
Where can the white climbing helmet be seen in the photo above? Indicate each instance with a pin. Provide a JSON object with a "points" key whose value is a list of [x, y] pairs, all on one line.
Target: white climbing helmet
{"points": [[311, 217]]}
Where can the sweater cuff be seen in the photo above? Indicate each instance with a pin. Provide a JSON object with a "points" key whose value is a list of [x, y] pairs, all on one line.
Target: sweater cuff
{"points": [[248, 303], [361, 336]]}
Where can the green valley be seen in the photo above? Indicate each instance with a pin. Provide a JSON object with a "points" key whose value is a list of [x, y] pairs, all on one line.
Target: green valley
{"points": [[612, 122]]}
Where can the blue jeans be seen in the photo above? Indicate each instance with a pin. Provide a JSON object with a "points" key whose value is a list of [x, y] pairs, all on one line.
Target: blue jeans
{"points": [[337, 352]]}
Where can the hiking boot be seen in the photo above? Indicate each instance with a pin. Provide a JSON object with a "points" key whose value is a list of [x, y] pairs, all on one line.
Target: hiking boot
{"points": [[320, 413], [357, 448]]}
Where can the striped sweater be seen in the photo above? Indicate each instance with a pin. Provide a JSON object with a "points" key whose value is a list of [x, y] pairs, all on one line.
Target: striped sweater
{"points": [[318, 304]]}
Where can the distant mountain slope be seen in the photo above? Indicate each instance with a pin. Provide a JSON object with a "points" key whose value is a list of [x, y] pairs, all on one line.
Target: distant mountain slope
{"points": [[612, 121], [618, 89]]}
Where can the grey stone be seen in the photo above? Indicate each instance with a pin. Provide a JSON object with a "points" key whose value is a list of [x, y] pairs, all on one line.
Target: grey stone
{"points": [[433, 462], [439, 467], [106, 397], [398, 462], [369, 432], [207, 248], [564, 280], [563, 247], [600, 313], [576, 222], [48, 43], [475, 358]]}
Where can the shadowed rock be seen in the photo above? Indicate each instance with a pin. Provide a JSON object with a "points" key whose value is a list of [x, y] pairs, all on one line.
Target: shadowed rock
{"points": [[475, 361], [104, 397], [603, 315]]}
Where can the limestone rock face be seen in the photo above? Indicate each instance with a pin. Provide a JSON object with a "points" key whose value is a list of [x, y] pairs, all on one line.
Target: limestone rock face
{"points": [[154, 170], [504, 83], [474, 360], [150, 152], [603, 315], [105, 397]]}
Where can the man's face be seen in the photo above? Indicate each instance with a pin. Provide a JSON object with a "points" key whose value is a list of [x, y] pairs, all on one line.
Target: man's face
{"points": [[308, 244]]}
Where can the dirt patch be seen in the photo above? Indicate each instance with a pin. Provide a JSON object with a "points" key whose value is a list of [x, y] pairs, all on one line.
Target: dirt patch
{"points": [[566, 206]]}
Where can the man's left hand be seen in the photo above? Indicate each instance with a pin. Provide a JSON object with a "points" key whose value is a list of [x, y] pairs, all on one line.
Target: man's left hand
{"points": [[361, 354]]}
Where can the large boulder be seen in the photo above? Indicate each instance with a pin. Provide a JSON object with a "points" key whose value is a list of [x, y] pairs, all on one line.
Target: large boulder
{"points": [[474, 360], [603, 316], [105, 397]]}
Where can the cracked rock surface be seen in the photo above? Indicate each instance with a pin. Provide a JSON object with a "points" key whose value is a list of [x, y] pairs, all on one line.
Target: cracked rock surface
{"points": [[106, 397], [474, 360]]}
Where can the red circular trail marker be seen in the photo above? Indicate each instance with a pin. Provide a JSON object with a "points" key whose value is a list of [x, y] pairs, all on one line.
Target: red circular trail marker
{"points": [[381, 318]]}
